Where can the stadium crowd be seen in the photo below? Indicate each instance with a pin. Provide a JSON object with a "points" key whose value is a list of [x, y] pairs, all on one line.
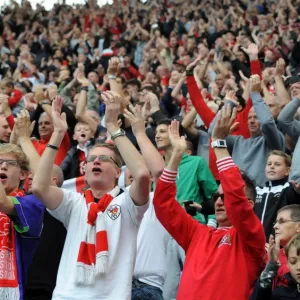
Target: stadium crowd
{"points": [[150, 150]]}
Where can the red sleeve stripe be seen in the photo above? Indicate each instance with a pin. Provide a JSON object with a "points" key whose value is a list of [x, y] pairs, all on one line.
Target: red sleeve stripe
{"points": [[168, 176], [225, 163]]}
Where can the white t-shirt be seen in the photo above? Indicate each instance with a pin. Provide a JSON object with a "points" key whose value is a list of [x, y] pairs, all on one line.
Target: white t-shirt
{"points": [[152, 242], [122, 231]]}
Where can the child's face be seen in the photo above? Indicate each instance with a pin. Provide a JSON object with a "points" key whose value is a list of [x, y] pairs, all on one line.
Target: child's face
{"points": [[294, 263], [276, 168], [82, 133]]}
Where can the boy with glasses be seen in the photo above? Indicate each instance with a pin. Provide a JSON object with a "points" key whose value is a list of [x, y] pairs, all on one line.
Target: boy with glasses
{"points": [[21, 219]]}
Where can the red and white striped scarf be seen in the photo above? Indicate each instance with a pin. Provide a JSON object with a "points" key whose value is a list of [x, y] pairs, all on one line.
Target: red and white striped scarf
{"points": [[93, 251], [9, 286]]}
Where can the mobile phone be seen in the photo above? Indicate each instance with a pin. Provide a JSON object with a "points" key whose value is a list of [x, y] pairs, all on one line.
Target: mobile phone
{"points": [[189, 209]]}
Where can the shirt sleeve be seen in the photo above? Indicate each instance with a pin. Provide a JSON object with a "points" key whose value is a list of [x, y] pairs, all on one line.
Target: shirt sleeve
{"points": [[70, 202], [136, 212], [30, 215]]}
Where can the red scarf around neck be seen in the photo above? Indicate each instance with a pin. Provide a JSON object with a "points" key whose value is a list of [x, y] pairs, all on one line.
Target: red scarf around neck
{"points": [[93, 251], [9, 287]]}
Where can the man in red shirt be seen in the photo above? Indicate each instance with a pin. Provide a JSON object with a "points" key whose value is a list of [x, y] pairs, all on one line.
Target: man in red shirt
{"points": [[45, 127], [220, 263], [7, 87]]}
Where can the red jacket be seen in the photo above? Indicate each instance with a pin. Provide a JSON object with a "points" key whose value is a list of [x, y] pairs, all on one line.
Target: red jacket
{"points": [[207, 115], [221, 263], [15, 98]]}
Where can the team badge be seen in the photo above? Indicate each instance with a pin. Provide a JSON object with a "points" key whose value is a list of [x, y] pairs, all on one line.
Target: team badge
{"points": [[226, 240], [114, 211]]}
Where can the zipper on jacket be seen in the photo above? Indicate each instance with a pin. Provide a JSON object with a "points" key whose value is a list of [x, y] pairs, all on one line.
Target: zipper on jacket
{"points": [[266, 202]]}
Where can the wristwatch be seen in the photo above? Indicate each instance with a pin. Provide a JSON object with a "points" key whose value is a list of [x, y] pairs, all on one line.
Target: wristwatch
{"points": [[45, 102], [219, 144], [119, 132], [112, 76]]}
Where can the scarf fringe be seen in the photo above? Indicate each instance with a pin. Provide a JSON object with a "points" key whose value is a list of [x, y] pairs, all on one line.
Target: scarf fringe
{"points": [[9, 293], [85, 275], [101, 262]]}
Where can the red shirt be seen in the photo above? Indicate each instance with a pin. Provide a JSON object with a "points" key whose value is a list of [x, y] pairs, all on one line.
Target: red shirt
{"points": [[221, 263], [15, 98], [40, 146]]}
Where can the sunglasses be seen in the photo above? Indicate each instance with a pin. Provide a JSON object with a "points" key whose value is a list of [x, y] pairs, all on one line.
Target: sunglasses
{"points": [[216, 196], [103, 158]]}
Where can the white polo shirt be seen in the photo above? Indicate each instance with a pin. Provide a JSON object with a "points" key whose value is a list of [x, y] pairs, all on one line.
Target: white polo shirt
{"points": [[122, 229]]}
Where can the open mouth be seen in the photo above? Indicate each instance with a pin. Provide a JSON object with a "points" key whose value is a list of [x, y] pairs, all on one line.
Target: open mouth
{"points": [[3, 176], [220, 210], [83, 135], [96, 170]]}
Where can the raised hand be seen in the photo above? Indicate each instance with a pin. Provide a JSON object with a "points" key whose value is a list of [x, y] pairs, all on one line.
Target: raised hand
{"points": [[274, 249], [252, 51], [136, 120], [112, 101], [113, 66], [280, 67], [51, 92], [178, 142], [193, 64], [82, 79], [230, 96], [225, 123], [23, 127], [255, 84], [59, 118]]}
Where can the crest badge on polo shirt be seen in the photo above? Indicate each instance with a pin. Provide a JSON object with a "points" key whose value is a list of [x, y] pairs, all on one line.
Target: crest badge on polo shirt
{"points": [[114, 211], [226, 240]]}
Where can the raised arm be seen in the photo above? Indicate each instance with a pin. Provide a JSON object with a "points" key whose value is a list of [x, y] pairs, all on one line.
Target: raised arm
{"points": [[23, 129], [140, 187], [51, 196], [238, 209], [269, 129], [153, 159], [171, 215], [282, 94], [286, 120], [81, 114]]}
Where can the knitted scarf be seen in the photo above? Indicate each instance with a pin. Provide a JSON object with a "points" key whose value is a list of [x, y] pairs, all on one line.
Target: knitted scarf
{"points": [[93, 251], [9, 286]]}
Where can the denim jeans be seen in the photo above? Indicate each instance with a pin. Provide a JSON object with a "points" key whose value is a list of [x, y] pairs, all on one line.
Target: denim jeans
{"points": [[143, 291]]}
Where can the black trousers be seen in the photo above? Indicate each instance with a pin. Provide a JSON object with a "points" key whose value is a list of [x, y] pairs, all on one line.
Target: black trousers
{"points": [[37, 295]]}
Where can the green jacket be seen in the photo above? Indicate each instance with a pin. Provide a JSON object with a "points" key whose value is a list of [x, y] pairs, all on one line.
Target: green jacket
{"points": [[195, 182]]}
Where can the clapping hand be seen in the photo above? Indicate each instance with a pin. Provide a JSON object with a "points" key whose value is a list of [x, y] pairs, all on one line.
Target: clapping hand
{"points": [[225, 123], [178, 142], [136, 120], [23, 127], [274, 249], [59, 118], [112, 101]]}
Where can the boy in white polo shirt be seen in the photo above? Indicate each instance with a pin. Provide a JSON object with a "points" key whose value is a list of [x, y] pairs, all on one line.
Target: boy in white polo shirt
{"points": [[99, 252]]}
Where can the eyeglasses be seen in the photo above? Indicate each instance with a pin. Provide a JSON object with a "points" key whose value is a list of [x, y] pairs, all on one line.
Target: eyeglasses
{"points": [[103, 158], [10, 162], [282, 221], [216, 196]]}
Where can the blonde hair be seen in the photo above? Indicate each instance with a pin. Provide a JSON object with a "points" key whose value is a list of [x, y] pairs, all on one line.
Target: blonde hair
{"points": [[294, 242], [286, 157], [17, 152]]}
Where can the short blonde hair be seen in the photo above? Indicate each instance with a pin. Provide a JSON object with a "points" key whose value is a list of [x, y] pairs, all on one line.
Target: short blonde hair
{"points": [[294, 242], [17, 152]]}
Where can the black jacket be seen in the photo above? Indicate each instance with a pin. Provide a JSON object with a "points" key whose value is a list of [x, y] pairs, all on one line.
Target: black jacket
{"points": [[270, 198]]}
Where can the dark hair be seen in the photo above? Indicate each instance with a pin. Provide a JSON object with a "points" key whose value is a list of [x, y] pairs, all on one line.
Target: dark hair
{"points": [[153, 88], [190, 146], [294, 209], [250, 186], [134, 82], [168, 122]]}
